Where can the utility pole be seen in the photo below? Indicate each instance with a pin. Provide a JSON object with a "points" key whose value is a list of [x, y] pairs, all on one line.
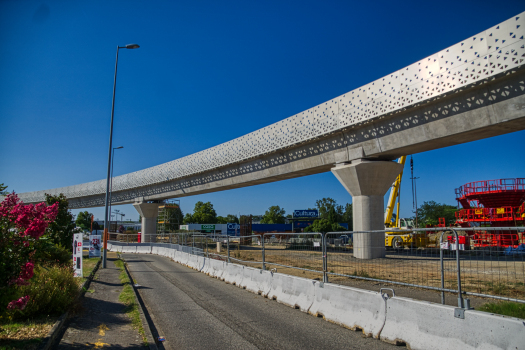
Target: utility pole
{"points": [[414, 188]]}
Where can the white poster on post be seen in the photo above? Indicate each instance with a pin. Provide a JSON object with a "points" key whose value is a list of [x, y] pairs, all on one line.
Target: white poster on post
{"points": [[77, 254], [94, 246]]}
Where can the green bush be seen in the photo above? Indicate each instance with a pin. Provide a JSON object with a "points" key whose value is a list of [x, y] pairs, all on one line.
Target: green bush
{"points": [[51, 291], [47, 252]]}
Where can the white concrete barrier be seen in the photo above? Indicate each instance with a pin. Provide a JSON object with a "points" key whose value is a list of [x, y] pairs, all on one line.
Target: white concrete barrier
{"points": [[192, 261], [351, 307], [184, 258], [234, 274], [163, 251], [129, 249], [206, 267], [177, 256], [155, 250], [143, 249], [201, 263], [293, 291], [217, 268], [257, 281], [425, 325], [171, 253]]}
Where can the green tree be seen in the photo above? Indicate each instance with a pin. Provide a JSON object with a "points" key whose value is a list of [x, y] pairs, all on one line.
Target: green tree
{"points": [[3, 192], [324, 225], [203, 213], [232, 219], [274, 215], [329, 210], [221, 220], [61, 231], [84, 220], [188, 219], [348, 216], [430, 212]]}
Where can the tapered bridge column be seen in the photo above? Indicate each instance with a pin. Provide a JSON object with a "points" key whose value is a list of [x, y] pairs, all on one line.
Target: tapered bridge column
{"points": [[367, 182], [149, 213]]}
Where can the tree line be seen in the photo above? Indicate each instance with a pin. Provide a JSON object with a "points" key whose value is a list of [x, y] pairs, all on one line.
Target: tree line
{"points": [[331, 215]]}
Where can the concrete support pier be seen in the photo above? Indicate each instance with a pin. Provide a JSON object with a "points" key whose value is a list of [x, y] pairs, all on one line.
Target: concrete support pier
{"points": [[149, 213], [367, 182]]}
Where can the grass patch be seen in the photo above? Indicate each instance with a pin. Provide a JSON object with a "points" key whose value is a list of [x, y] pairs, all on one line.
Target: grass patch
{"points": [[88, 264], [127, 297], [506, 308]]}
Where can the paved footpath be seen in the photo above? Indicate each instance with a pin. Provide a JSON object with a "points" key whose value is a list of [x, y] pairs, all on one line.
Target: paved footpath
{"points": [[102, 324], [194, 311]]}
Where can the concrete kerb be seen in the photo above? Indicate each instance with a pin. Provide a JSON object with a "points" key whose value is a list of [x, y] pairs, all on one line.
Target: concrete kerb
{"points": [[296, 292], [425, 325], [350, 307]]}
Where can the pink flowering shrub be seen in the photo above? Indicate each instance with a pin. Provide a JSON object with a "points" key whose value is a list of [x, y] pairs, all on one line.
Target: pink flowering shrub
{"points": [[21, 226]]}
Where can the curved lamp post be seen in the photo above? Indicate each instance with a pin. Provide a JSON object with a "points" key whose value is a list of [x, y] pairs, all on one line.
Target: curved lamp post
{"points": [[106, 227]]}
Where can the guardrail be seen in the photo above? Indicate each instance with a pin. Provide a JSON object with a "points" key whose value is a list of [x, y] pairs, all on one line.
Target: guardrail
{"points": [[423, 258]]}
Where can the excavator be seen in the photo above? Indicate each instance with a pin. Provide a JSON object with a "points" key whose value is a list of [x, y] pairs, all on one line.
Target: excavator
{"points": [[401, 234]]}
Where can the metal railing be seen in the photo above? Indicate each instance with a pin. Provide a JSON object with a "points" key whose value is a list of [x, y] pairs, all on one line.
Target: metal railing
{"points": [[422, 258]]}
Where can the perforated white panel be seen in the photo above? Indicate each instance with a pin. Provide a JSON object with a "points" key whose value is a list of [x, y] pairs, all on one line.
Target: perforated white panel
{"points": [[497, 50]]}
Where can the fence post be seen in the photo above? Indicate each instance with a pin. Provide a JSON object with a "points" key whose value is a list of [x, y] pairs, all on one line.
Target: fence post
{"points": [[460, 297], [442, 269], [228, 247], [263, 261], [325, 253], [193, 244]]}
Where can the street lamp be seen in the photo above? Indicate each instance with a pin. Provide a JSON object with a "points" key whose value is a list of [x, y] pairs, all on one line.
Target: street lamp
{"points": [[104, 257], [111, 179]]}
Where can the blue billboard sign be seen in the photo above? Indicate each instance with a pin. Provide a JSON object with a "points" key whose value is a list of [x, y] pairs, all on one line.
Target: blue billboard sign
{"points": [[233, 229], [305, 213]]}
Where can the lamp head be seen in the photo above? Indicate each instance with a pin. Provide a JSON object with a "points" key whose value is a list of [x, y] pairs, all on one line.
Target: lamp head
{"points": [[132, 46]]}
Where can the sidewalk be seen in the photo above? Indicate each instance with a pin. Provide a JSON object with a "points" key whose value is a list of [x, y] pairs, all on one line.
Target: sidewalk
{"points": [[102, 323]]}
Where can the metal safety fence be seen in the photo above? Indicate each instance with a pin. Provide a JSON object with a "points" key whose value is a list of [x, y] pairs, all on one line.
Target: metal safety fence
{"points": [[448, 260]]}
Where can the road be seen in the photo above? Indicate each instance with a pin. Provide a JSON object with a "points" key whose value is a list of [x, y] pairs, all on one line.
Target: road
{"points": [[195, 311]]}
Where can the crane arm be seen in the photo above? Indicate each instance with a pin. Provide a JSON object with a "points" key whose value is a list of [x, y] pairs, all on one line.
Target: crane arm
{"points": [[394, 193]]}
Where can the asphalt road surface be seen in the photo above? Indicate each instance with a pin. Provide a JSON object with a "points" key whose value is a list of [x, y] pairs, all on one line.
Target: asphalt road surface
{"points": [[195, 311]]}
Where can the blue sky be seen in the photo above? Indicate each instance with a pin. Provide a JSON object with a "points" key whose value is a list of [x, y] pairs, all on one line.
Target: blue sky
{"points": [[208, 72]]}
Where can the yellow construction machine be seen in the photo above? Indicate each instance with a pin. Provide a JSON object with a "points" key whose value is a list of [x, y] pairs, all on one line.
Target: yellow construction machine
{"points": [[401, 235]]}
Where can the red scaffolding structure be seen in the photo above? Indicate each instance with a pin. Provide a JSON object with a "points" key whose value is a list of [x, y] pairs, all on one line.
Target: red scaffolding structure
{"points": [[492, 203]]}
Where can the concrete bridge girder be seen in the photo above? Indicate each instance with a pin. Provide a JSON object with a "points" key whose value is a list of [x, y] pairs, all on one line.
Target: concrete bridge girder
{"points": [[491, 109]]}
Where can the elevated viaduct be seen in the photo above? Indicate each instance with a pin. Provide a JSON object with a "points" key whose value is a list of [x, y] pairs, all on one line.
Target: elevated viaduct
{"points": [[472, 90]]}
